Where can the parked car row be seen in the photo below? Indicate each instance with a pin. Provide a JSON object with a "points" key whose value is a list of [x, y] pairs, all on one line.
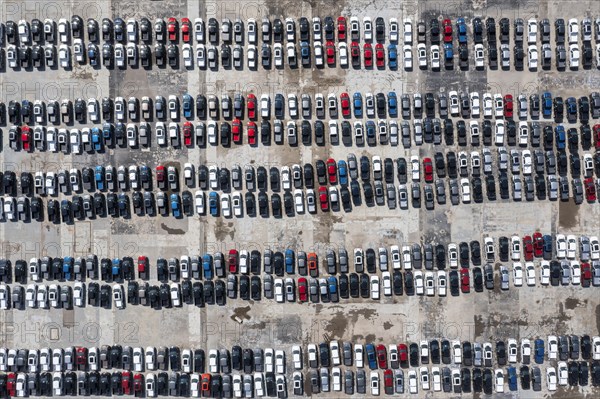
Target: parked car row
{"points": [[408, 256], [297, 202], [330, 289], [464, 104], [322, 48], [290, 31]]}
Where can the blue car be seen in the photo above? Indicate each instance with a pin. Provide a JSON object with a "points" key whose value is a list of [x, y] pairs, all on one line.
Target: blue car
{"points": [[343, 172], [561, 141], [207, 262], [393, 56], [290, 261], [213, 203], [512, 378], [116, 268], [547, 246], [99, 177], [96, 139], [371, 356], [188, 103], [107, 133], [305, 52], [547, 105], [175, 205], [67, 267], [392, 104], [448, 53], [332, 282], [461, 28], [370, 131], [539, 351], [358, 105]]}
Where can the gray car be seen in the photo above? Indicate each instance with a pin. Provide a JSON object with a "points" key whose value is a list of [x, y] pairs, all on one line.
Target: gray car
{"points": [[258, 360], [440, 191], [504, 277], [454, 192], [324, 378], [347, 353], [596, 273], [314, 381], [361, 381], [584, 248], [403, 196], [268, 286], [349, 382], [391, 195]]}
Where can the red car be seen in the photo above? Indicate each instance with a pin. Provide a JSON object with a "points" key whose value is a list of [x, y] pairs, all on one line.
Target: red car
{"points": [[81, 357], [345, 103], [302, 289], [590, 189], [341, 23], [26, 138], [355, 53], [251, 104], [388, 381], [465, 281], [381, 356], [368, 50], [403, 355], [251, 133], [233, 261], [172, 26], [597, 135], [330, 53], [323, 198], [11, 382], [380, 55], [428, 170], [332, 171], [447, 24], [586, 274], [138, 384], [528, 247], [205, 385], [538, 244], [186, 29], [160, 174], [142, 265], [187, 133], [126, 382], [508, 106], [236, 131]]}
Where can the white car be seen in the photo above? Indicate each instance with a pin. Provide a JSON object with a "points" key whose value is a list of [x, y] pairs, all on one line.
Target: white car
{"points": [[408, 31], [251, 31], [343, 54], [150, 358], [561, 246], [79, 50], [368, 29], [30, 295], [393, 24], [64, 55], [488, 104], [552, 347], [412, 382], [515, 248], [424, 372], [442, 283], [374, 287], [512, 350], [419, 282], [574, 56], [563, 374], [407, 56], [150, 385], [138, 360], [551, 379], [544, 272], [575, 273], [499, 380], [429, 284], [236, 204], [415, 168], [226, 205], [422, 55], [359, 355], [436, 379], [571, 247], [532, 31], [596, 347], [454, 103], [479, 56], [374, 378], [118, 296], [213, 361], [518, 274], [187, 53], [265, 106], [475, 104], [530, 273], [573, 30], [499, 106], [119, 55], [78, 294], [297, 357], [434, 53], [279, 295], [386, 280], [279, 361], [299, 201], [201, 55], [532, 57], [466, 190]]}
